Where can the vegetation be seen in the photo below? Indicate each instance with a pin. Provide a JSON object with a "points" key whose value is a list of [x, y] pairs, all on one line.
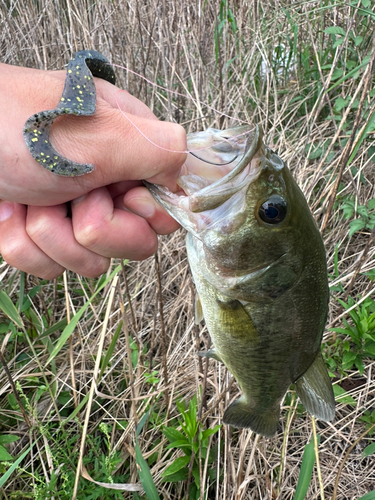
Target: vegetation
{"points": [[145, 423]]}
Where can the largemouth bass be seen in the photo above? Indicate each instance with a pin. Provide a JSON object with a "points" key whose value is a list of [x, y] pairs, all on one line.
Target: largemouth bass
{"points": [[259, 267], [256, 255]]}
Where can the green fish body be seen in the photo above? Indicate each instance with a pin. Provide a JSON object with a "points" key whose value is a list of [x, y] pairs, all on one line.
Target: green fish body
{"points": [[255, 252], [259, 267]]}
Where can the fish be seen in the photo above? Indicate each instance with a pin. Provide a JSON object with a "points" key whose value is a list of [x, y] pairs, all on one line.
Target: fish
{"points": [[255, 252], [259, 267]]}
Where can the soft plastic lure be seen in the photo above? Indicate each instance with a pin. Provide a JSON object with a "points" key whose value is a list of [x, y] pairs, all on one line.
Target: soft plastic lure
{"points": [[78, 98]]}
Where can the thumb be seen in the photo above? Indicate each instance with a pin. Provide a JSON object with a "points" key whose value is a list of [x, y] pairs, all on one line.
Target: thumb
{"points": [[122, 146]]}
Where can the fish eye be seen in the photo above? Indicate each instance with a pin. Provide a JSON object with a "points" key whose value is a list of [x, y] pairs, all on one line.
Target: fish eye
{"points": [[273, 211]]}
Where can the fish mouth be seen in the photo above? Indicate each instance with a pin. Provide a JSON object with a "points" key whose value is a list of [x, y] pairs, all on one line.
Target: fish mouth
{"points": [[219, 171]]}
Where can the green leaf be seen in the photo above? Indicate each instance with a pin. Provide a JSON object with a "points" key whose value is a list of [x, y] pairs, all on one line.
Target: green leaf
{"points": [[177, 465], [359, 365], [4, 455], [334, 30], [305, 474], [179, 444], [338, 42], [8, 438], [181, 475], [370, 349], [366, 3], [341, 103], [358, 40], [339, 330], [348, 360], [173, 434], [356, 225], [9, 309], [60, 325], [317, 153], [371, 203], [369, 450], [145, 475], [210, 432], [69, 329], [341, 396]]}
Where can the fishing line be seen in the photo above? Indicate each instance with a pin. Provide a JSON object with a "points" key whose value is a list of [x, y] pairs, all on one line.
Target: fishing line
{"points": [[179, 94], [211, 162], [192, 152]]}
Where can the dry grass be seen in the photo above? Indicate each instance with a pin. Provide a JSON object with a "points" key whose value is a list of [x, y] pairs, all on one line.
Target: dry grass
{"points": [[173, 42]]}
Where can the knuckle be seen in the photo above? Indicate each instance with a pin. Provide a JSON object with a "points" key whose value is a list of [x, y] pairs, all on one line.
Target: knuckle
{"points": [[92, 268], [89, 235], [145, 251], [17, 255], [11, 251], [38, 228], [50, 274]]}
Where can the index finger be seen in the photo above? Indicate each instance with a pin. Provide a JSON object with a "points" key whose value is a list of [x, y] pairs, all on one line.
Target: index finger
{"points": [[122, 99]]}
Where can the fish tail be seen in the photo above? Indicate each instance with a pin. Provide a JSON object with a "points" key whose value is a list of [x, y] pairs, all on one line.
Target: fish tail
{"points": [[241, 414]]}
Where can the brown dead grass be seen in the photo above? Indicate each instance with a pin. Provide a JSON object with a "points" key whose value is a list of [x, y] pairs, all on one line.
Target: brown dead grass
{"points": [[173, 42]]}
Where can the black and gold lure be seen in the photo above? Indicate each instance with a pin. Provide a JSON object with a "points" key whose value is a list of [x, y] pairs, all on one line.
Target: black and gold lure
{"points": [[78, 98]]}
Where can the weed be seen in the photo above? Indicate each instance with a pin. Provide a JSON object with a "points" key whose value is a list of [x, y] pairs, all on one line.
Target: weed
{"points": [[194, 443], [361, 342], [369, 417], [366, 219]]}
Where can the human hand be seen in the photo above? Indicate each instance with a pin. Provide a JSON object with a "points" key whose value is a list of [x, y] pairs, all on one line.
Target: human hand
{"points": [[116, 217]]}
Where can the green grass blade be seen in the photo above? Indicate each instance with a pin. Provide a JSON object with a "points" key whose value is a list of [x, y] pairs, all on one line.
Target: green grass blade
{"points": [[9, 472], [305, 474], [68, 330], [110, 350], [145, 475], [368, 129], [9, 309], [76, 410], [366, 61], [143, 469], [368, 496], [143, 421]]}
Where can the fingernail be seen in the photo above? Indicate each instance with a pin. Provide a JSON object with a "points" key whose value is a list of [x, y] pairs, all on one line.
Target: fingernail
{"points": [[6, 210], [78, 200], [142, 207]]}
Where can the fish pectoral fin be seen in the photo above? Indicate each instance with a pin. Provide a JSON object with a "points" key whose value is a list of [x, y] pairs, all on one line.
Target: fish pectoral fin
{"points": [[240, 414], [211, 353], [315, 391], [198, 311], [236, 321]]}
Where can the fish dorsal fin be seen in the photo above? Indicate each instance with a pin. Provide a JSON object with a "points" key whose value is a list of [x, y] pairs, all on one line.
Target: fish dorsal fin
{"points": [[315, 391], [235, 320], [198, 311]]}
